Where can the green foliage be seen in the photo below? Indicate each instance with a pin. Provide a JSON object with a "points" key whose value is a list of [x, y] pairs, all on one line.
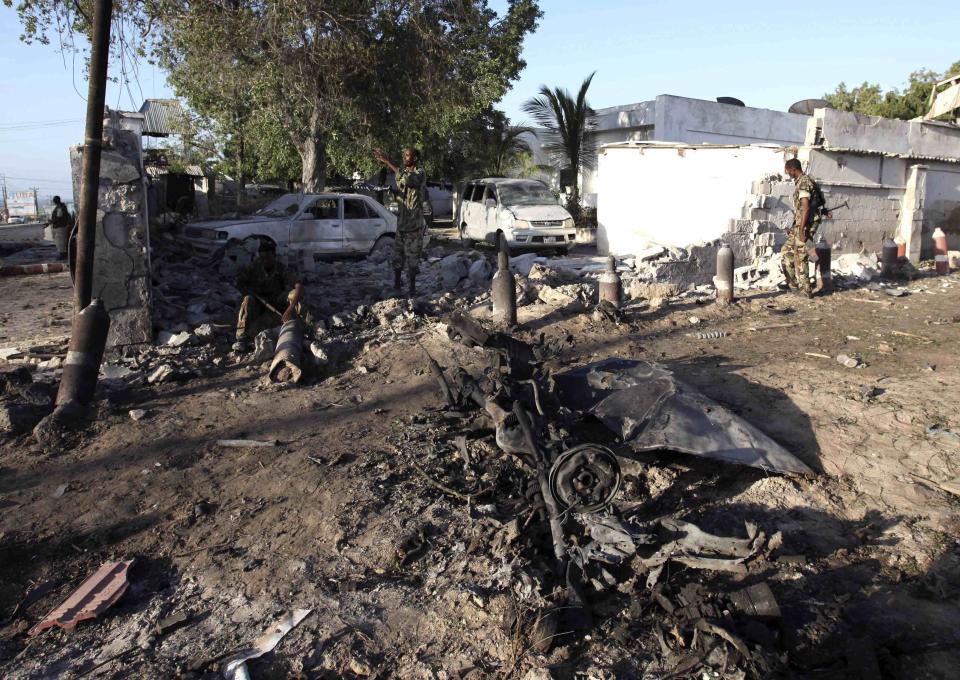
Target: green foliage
{"points": [[312, 83], [912, 102], [566, 119]]}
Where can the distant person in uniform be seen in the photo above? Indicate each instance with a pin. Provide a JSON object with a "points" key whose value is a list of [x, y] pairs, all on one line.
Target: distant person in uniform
{"points": [[266, 282], [60, 223], [807, 205], [408, 246]]}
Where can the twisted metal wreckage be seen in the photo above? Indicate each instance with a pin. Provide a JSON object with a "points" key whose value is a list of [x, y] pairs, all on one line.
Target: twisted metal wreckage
{"points": [[534, 413]]}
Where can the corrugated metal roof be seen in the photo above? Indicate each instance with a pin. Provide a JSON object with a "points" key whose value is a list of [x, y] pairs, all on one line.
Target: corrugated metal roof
{"points": [[191, 170], [162, 117]]}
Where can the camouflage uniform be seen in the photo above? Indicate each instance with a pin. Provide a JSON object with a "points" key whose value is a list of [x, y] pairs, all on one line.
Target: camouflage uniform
{"points": [[273, 286], [411, 184], [794, 259]]}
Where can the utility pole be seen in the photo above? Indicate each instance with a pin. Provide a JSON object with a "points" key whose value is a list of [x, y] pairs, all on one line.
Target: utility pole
{"points": [[93, 144], [91, 323], [36, 202], [6, 204]]}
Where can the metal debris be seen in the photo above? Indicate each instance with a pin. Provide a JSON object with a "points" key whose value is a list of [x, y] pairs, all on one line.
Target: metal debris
{"points": [[585, 478], [92, 598], [246, 443], [235, 667], [652, 410]]}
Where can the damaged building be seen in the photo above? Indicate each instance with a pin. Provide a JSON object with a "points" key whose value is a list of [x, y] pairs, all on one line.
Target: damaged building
{"points": [[887, 179]]}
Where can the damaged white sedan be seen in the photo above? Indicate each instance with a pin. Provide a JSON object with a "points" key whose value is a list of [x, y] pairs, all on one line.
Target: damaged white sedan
{"points": [[525, 211], [307, 228]]}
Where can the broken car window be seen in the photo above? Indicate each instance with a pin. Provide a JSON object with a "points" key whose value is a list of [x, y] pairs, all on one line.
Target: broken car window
{"points": [[354, 209], [526, 194], [284, 206], [322, 209]]}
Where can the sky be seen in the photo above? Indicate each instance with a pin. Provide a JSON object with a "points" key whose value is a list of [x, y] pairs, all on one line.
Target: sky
{"points": [[767, 54]]}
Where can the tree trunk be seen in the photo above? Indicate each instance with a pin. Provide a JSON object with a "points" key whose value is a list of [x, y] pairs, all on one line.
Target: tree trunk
{"points": [[313, 154], [241, 180]]}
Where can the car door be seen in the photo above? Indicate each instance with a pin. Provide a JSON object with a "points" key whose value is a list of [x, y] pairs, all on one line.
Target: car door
{"points": [[465, 207], [361, 225], [490, 212], [474, 216], [317, 230]]}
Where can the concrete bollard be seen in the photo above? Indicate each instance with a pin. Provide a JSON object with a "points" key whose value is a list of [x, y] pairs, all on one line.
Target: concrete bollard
{"points": [[288, 358], [888, 259], [824, 255], [940, 257], [611, 287], [503, 288], [724, 278], [81, 368]]}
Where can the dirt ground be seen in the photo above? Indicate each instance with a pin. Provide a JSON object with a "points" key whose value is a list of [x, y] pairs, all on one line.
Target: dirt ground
{"points": [[236, 537]]}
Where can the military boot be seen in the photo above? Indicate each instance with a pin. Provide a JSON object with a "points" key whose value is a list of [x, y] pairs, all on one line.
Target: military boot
{"points": [[413, 282]]}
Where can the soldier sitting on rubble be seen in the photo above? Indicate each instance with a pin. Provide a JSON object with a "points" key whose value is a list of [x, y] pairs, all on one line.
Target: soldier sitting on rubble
{"points": [[267, 287]]}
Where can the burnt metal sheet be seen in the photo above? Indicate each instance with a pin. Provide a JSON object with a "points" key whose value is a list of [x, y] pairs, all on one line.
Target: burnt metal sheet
{"points": [[650, 410], [92, 598]]}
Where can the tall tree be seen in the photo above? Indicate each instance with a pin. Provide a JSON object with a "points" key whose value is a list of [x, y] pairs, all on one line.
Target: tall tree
{"points": [[509, 145], [566, 120], [337, 76]]}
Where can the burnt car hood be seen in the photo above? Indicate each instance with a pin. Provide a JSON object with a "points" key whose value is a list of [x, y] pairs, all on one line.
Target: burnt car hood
{"points": [[650, 409]]}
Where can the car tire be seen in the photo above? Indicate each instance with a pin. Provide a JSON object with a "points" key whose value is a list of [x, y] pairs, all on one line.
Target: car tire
{"points": [[382, 250], [465, 240]]}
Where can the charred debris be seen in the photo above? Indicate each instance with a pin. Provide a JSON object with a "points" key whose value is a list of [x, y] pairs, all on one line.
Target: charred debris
{"points": [[541, 455]]}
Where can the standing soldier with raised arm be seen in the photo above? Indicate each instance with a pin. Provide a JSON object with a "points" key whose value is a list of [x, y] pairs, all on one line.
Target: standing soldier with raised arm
{"points": [[807, 205], [411, 183]]}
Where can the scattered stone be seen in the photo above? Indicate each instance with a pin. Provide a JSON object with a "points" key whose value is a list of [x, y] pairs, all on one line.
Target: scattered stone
{"points": [[51, 364], [849, 362], [452, 270], [339, 320], [8, 353], [18, 418], [521, 264], [694, 320], [480, 272], [859, 266], [319, 354], [114, 371], [205, 332], [557, 297], [137, 414], [161, 374]]}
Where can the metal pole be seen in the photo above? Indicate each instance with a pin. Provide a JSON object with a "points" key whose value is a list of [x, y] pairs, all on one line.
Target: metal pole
{"points": [[6, 205], [90, 167]]}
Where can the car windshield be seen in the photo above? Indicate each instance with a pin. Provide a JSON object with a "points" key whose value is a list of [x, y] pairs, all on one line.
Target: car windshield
{"points": [[282, 207], [526, 194]]}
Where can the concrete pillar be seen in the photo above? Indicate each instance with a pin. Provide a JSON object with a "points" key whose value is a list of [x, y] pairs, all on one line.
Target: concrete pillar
{"points": [[121, 269], [911, 211]]}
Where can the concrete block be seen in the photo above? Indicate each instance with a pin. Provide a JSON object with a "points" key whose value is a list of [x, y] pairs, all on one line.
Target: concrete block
{"points": [[121, 268]]}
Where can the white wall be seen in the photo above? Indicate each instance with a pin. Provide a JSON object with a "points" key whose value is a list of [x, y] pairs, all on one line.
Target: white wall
{"points": [[674, 195]]}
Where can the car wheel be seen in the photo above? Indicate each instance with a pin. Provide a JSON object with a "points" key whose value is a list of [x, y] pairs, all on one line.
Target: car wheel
{"points": [[465, 240], [382, 250]]}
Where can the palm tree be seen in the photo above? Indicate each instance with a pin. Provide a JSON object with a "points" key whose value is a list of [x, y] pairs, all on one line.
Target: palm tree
{"points": [[508, 146], [566, 120]]}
